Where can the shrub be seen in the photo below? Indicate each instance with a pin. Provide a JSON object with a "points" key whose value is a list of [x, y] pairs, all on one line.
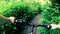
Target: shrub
{"points": [[20, 10]]}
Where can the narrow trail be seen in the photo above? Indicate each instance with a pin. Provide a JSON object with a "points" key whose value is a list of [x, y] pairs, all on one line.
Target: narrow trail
{"points": [[28, 29]]}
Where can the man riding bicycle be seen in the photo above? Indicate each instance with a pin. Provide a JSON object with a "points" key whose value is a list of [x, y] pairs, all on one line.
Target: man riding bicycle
{"points": [[11, 19]]}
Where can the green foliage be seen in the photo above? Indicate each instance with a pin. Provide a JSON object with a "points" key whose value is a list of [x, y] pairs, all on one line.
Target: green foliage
{"points": [[51, 15], [20, 10], [27, 10]]}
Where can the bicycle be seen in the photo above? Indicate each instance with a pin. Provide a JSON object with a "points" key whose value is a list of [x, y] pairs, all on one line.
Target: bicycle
{"points": [[21, 21]]}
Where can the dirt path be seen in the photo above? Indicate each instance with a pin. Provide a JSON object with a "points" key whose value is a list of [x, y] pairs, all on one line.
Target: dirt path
{"points": [[28, 29]]}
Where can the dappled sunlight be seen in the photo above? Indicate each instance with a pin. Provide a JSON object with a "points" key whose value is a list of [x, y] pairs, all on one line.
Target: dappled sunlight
{"points": [[43, 2]]}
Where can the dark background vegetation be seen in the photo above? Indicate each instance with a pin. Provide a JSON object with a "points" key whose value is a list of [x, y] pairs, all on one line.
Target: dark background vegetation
{"points": [[27, 10]]}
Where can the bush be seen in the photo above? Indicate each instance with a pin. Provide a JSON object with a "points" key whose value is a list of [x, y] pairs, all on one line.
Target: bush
{"points": [[27, 10], [51, 15], [20, 10]]}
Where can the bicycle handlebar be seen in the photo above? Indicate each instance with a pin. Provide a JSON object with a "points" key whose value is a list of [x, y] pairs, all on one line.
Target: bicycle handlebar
{"points": [[21, 21]]}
